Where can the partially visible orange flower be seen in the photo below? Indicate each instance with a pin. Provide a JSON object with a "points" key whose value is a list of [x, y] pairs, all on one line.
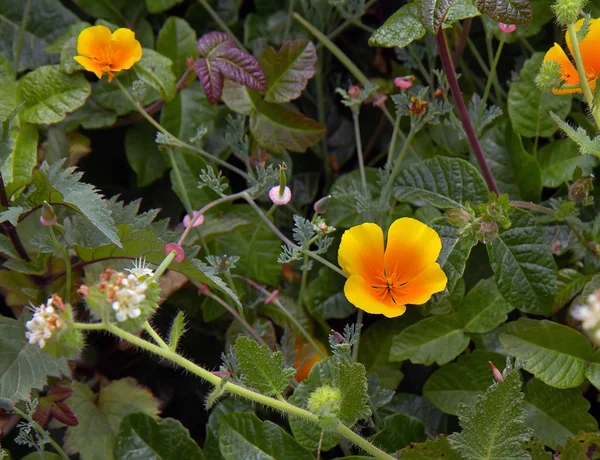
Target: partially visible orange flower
{"points": [[306, 357], [590, 55], [104, 52], [384, 282]]}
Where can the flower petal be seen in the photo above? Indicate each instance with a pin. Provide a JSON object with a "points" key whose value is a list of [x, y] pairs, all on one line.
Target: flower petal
{"points": [[94, 42], [360, 294], [420, 289], [125, 50], [411, 247], [361, 252], [567, 69], [90, 65], [589, 48]]}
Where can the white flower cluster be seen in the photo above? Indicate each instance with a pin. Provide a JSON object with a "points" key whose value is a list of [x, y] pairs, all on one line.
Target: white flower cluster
{"points": [[127, 299], [589, 315], [44, 323]]}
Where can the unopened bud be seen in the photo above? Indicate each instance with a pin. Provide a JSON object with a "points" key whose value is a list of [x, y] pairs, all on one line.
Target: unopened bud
{"points": [[567, 11], [579, 190], [439, 93], [458, 217], [337, 337], [48, 217], [325, 400], [507, 28], [404, 82], [354, 91], [321, 205], [196, 219], [498, 377], [549, 77], [488, 232]]}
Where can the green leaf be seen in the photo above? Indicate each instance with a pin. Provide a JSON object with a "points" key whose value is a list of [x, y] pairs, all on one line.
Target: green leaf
{"points": [[401, 29], [554, 353], [56, 184], [245, 436], [460, 9], [569, 283], [35, 456], [433, 448], [260, 369], [110, 10], [432, 13], [398, 431], [50, 94], [18, 167], [40, 31], [507, 11], [158, 6], [279, 128], [529, 107], [592, 371], [558, 161], [288, 70], [584, 445], [556, 415], [351, 379], [483, 308], [516, 171], [461, 382], [227, 406], [143, 155], [24, 367], [326, 296], [177, 41], [437, 339], [100, 416], [586, 144], [523, 265], [141, 437], [494, 427], [155, 70], [442, 182]]}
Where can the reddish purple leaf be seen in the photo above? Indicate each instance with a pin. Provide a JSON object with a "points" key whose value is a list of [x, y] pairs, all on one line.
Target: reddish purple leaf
{"points": [[212, 40], [57, 394], [240, 67], [42, 411], [64, 414], [211, 78]]}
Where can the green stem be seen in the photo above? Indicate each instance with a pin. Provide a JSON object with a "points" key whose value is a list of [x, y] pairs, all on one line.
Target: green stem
{"points": [[157, 338], [325, 262], [359, 322], [583, 81], [67, 259], [532, 207], [187, 204], [19, 44], [43, 433], [392, 146], [359, 150], [215, 17], [491, 78], [420, 65], [288, 20], [89, 326], [164, 265], [397, 165], [259, 226]]}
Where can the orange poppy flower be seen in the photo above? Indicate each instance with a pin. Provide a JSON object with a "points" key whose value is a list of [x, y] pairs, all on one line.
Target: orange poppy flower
{"points": [[104, 52], [306, 357], [384, 282], [590, 56]]}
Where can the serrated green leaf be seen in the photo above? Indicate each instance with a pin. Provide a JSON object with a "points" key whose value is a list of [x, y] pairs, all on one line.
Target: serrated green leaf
{"points": [[432, 13], [39, 31], [494, 427], [177, 41], [227, 406], [483, 308], [442, 182], [351, 379], [100, 416], [288, 70], [558, 160], [437, 339], [460, 9], [155, 70], [141, 437], [245, 436], [507, 11], [529, 107], [398, 431], [554, 353], [433, 448], [516, 171], [556, 415], [143, 155], [586, 144], [461, 382], [523, 265], [418, 407], [24, 367], [584, 445], [50, 94], [22, 157], [260, 368], [569, 283], [401, 29]]}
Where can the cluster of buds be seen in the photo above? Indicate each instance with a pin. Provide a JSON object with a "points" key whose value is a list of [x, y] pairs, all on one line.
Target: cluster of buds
{"points": [[325, 401], [45, 322], [125, 293], [589, 315]]}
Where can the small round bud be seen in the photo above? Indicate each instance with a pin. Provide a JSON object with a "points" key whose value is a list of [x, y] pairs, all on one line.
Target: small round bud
{"points": [[404, 82], [48, 217], [488, 232], [325, 400], [178, 249], [458, 217], [498, 377], [196, 219], [321, 205], [549, 77], [567, 11], [507, 28], [579, 190], [278, 197], [354, 91]]}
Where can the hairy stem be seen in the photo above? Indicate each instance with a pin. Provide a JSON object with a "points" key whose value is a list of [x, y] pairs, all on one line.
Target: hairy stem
{"points": [[37, 427], [490, 80], [155, 336]]}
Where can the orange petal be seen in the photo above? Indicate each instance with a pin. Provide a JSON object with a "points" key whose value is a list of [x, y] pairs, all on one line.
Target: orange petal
{"points": [[420, 289], [90, 65], [567, 69], [589, 48], [361, 252], [94, 42], [411, 247], [125, 50], [360, 294]]}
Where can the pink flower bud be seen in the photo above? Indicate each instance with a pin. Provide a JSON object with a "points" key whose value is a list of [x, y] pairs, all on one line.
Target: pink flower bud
{"points": [[271, 297], [354, 91], [178, 249], [197, 219], [507, 28], [321, 206], [498, 377], [280, 198], [404, 82], [48, 216]]}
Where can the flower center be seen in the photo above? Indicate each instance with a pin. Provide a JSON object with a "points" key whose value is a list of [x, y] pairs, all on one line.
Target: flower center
{"points": [[388, 286]]}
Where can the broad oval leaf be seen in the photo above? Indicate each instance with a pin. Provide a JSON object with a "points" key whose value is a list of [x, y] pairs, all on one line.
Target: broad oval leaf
{"points": [[400, 29], [177, 41], [211, 41], [49, 94], [398, 431], [443, 182], [484, 308], [143, 155], [558, 161], [555, 354], [432, 13], [156, 71], [523, 265], [240, 67], [288, 70], [569, 283], [211, 79], [507, 11]]}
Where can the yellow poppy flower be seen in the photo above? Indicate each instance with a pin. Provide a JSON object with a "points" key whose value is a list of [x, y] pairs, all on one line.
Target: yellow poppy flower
{"points": [[104, 52], [590, 56], [384, 282]]}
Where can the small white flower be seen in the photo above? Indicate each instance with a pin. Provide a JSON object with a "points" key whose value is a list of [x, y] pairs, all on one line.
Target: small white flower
{"points": [[43, 324], [589, 315], [278, 198], [129, 297], [140, 268]]}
